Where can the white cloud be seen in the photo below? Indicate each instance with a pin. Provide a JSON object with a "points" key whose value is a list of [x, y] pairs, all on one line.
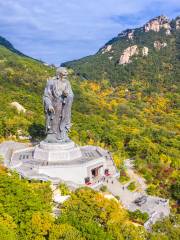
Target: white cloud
{"points": [[79, 26]]}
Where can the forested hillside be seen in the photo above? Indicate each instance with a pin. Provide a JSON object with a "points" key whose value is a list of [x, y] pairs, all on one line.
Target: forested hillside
{"points": [[150, 53], [5, 43], [21, 80], [26, 213], [127, 105], [135, 83]]}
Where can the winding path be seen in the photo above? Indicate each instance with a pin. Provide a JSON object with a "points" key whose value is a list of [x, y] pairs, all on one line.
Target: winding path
{"points": [[140, 182], [156, 207]]}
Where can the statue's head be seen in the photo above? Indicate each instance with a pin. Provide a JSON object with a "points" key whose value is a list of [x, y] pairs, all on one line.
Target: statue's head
{"points": [[61, 73]]}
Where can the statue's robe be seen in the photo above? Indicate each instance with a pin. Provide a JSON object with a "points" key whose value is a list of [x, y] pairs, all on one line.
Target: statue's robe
{"points": [[58, 122]]}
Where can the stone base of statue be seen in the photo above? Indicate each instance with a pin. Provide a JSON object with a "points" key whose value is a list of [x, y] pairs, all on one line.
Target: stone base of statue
{"points": [[57, 152], [63, 162]]}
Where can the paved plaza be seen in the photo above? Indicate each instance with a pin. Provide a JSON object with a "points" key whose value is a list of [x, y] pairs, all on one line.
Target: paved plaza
{"points": [[156, 207]]}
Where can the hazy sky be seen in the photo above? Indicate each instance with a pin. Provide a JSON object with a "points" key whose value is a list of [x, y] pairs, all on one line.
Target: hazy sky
{"points": [[61, 30]]}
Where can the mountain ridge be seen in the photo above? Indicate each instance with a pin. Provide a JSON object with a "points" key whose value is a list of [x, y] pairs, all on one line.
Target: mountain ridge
{"points": [[157, 34], [5, 43]]}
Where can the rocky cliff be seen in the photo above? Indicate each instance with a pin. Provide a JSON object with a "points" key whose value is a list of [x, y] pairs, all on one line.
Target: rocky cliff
{"points": [[157, 41], [158, 23]]}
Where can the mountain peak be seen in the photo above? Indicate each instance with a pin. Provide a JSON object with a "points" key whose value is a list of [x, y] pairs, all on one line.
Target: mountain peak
{"points": [[132, 47], [161, 18], [157, 23]]}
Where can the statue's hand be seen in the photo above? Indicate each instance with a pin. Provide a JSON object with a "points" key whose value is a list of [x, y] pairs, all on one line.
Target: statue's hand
{"points": [[65, 93], [51, 109]]}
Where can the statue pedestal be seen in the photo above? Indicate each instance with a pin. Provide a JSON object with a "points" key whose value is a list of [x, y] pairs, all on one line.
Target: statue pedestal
{"points": [[57, 152], [64, 162]]}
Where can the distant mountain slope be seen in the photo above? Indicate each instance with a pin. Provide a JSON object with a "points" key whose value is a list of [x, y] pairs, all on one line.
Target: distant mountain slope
{"points": [[134, 80], [152, 51], [22, 80], [4, 42]]}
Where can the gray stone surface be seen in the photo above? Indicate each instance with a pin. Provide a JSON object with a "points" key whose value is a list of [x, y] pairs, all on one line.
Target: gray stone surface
{"points": [[7, 148], [57, 146], [73, 171], [156, 207], [57, 152], [58, 98]]}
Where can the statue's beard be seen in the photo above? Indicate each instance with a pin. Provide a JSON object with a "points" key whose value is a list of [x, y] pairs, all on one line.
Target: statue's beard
{"points": [[63, 78], [57, 87]]}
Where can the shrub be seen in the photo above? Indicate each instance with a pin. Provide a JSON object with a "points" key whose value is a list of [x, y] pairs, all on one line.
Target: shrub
{"points": [[103, 188], [138, 216], [64, 189], [132, 186]]}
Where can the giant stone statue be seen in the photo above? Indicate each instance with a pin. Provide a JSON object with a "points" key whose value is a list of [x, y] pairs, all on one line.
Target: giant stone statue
{"points": [[58, 98], [57, 158]]}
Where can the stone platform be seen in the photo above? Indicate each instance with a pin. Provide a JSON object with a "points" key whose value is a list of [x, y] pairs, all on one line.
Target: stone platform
{"points": [[57, 152], [67, 162]]}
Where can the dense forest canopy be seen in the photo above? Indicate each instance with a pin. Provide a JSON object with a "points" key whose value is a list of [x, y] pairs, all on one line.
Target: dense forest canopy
{"points": [[25, 213]]}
